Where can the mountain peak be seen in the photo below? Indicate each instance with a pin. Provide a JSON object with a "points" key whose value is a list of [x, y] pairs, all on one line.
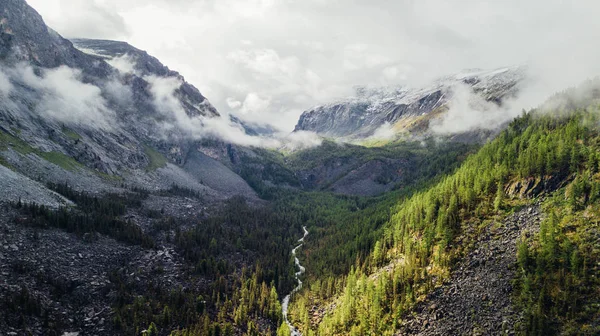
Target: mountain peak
{"points": [[361, 115], [24, 37]]}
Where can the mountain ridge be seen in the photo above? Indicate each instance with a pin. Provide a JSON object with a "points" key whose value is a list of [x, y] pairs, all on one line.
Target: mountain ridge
{"points": [[404, 109], [100, 127]]}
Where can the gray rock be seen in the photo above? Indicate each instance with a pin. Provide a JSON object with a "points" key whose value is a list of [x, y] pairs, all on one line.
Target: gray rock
{"points": [[361, 116]]}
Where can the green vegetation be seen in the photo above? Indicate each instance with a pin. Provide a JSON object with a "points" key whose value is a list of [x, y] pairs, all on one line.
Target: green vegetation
{"points": [[251, 300], [418, 241], [61, 160], [232, 299], [345, 228], [558, 283], [93, 215], [329, 151], [235, 300], [265, 231], [71, 134], [267, 171], [155, 159], [20, 146], [267, 166], [368, 260], [5, 163], [430, 157]]}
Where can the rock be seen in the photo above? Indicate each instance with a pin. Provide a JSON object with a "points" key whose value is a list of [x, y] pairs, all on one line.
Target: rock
{"points": [[477, 299]]}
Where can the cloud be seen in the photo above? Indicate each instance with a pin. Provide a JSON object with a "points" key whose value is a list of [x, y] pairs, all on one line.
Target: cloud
{"points": [[301, 140], [469, 111], [255, 103], [79, 18], [164, 89], [233, 48], [66, 99], [385, 132], [124, 64], [116, 91], [5, 84]]}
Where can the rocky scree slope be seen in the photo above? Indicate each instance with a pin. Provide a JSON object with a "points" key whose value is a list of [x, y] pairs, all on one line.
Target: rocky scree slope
{"points": [[478, 297]]}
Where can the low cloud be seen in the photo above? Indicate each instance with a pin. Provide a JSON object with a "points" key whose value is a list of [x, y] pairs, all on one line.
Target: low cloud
{"points": [[581, 96], [164, 90], [116, 91], [124, 64], [385, 132], [301, 140], [66, 99], [468, 111], [5, 84]]}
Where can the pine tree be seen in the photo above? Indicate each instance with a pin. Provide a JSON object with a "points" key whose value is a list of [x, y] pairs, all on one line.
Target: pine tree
{"points": [[499, 200]]}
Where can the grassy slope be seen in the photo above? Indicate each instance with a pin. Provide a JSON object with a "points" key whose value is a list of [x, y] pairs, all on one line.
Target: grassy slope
{"points": [[156, 159], [20, 146]]}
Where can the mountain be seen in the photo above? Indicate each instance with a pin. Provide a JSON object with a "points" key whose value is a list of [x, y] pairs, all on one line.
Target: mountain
{"points": [[25, 37], [130, 60], [97, 114], [253, 129], [508, 243], [122, 212], [405, 109]]}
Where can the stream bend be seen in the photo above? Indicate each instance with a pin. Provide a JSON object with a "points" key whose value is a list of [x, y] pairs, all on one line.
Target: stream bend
{"points": [[286, 300]]}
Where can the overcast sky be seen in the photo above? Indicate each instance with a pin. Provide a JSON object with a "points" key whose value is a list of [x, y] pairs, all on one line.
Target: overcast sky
{"points": [[269, 60]]}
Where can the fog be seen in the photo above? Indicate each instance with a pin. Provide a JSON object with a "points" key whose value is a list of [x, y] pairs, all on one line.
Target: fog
{"points": [[5, 84], [163, 90], [64, 98], [269, 60]]}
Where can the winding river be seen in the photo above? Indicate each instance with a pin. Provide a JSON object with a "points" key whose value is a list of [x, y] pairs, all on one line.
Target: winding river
{"points": [[286, 300]]}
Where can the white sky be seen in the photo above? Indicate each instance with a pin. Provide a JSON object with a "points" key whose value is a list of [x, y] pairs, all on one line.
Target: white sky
{"points": [[269, 60]]}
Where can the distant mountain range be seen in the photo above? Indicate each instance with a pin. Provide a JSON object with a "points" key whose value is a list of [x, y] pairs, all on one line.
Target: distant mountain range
{"points": [[405, 109]]}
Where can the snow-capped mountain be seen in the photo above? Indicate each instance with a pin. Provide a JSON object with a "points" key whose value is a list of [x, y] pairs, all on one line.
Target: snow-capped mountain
{"points": [[404, 108]]}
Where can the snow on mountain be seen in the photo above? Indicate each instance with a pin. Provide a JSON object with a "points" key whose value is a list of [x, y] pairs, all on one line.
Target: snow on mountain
{"points": [[360, 116]]}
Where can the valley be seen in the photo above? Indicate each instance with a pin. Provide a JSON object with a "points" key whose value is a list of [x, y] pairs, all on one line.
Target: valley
{"points": [[131, 205]]}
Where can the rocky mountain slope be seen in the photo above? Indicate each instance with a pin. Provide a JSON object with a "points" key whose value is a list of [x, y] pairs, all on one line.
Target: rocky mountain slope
{"points": [[98, 114], [402, 108]]}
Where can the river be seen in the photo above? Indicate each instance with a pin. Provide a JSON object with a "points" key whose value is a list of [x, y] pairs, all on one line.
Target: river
{"points": [[286, 300]]}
